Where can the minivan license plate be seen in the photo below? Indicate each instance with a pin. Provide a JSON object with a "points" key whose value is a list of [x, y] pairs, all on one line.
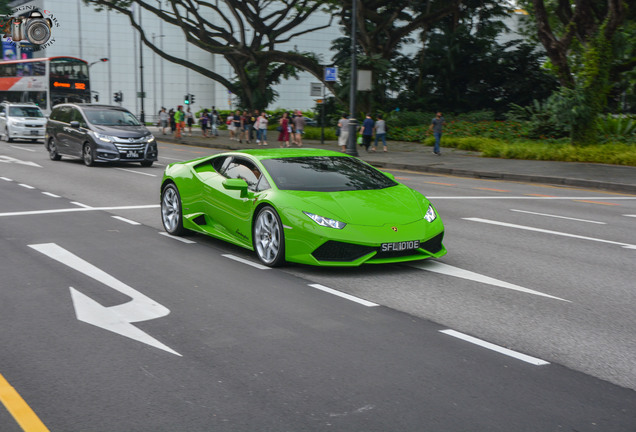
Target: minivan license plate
{"points": [[132, 155], [400, 246]]}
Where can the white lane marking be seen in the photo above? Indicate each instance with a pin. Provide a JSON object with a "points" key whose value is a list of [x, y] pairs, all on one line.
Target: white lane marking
{"points": [[169, 158], [6, 179], [527, 228], [23, 148], [119, 318], [604, 198], [630, 215], [81, 205], [136, 172], [449, 270], [82, 209], [523, 357], [52, 195], [26, 186], [181, 239], [8, 159], [343, 295], [558, 217], [248, 262], [132, 222]]}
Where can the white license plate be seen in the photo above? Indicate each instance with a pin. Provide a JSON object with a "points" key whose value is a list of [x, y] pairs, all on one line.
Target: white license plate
{"points": [[400, 246]]}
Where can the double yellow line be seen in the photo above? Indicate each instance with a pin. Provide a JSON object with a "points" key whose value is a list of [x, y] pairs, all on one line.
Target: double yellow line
{"points": [[18, 408]]}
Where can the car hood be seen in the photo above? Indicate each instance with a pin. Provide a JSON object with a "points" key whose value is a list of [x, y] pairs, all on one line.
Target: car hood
{"points": [[30, 119], [122, 131], [394, 205]]}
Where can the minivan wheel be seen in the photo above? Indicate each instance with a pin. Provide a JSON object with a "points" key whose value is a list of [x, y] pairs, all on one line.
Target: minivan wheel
{"points": [[88, 155], [53, 154]]}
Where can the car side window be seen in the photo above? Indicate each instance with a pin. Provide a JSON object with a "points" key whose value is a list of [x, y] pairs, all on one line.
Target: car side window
{"points": [[220, 163], [63, 114], [78, 117], [246, 170]]}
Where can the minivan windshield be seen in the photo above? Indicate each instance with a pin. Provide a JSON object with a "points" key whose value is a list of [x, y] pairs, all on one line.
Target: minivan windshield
{"points": [[325, 174], [25, 112], [111, 117]]}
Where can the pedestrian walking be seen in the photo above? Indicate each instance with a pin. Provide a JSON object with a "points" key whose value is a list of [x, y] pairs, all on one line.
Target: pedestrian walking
{"points": [[367, 131], [179, 119], [163, 120], [173, 123], [204, 120], [237, 126], [343, 125], [245, 127], [214, 122], [436, 127], [252, 130], [283, 136], [380, 132], [261, 129], [189, 117], [299, 123]]}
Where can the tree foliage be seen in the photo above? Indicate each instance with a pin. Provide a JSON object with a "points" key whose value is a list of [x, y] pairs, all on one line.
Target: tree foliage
{"points": [[582, 40], [247, 33]]}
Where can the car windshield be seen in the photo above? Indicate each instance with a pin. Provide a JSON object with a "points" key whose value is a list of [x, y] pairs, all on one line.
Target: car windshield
{"points": [[114, 117], [25, 112], [325, 174]]}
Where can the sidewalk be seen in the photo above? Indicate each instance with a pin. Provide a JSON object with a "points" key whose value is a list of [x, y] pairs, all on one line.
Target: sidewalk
{"points": [[416, 157]]}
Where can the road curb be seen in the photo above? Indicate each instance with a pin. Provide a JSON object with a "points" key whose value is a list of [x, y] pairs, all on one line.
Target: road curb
{"points": [[459, 172]]}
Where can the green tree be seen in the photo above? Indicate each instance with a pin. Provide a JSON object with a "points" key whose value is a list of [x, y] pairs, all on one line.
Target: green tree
{"points": [[464, 68], [384, 27], [247, 33], [581, 39]]}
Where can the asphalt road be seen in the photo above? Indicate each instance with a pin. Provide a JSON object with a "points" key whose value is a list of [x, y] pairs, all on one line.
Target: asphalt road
{"points": [[107, 325]]}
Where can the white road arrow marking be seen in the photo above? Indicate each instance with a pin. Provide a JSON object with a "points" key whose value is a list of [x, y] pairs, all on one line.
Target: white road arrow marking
{"points": [[9, 159], [445, 269], [118, 318]]}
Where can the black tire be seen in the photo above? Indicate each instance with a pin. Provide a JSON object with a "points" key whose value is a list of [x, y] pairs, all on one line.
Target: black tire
{"points": [[53, 154], [146, 163], [171, 211], [268, 237], [88, 155]]}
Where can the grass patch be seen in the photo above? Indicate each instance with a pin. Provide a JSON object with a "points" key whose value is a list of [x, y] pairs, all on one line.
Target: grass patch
{"points": [[610, 153]]}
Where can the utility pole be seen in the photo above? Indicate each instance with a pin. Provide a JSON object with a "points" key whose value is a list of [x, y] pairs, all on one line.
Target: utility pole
{"points": [[142, 115], [353, 123]]}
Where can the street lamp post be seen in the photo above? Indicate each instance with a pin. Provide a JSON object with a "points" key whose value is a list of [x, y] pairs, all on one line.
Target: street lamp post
{"points": [[154, 78], [142, 115], [353, 123]]}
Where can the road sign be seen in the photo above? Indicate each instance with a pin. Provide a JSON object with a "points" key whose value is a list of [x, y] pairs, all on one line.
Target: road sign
{"points": [[331, 74], [315, 89]]}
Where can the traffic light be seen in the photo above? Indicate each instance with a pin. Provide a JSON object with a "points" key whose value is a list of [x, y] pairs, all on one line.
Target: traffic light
{"points": [[118, 97], [186, 99], [191, 98]]}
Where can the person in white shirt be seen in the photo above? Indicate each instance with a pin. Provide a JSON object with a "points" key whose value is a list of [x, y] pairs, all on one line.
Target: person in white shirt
{"points": [[261, 129]]}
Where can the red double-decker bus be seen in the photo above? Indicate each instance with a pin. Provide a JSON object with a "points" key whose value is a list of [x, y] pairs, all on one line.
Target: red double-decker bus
{"points": [[45, 81]]}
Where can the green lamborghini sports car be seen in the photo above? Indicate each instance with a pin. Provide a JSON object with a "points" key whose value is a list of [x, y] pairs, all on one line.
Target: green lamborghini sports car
{"points": [[302, 205]]}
